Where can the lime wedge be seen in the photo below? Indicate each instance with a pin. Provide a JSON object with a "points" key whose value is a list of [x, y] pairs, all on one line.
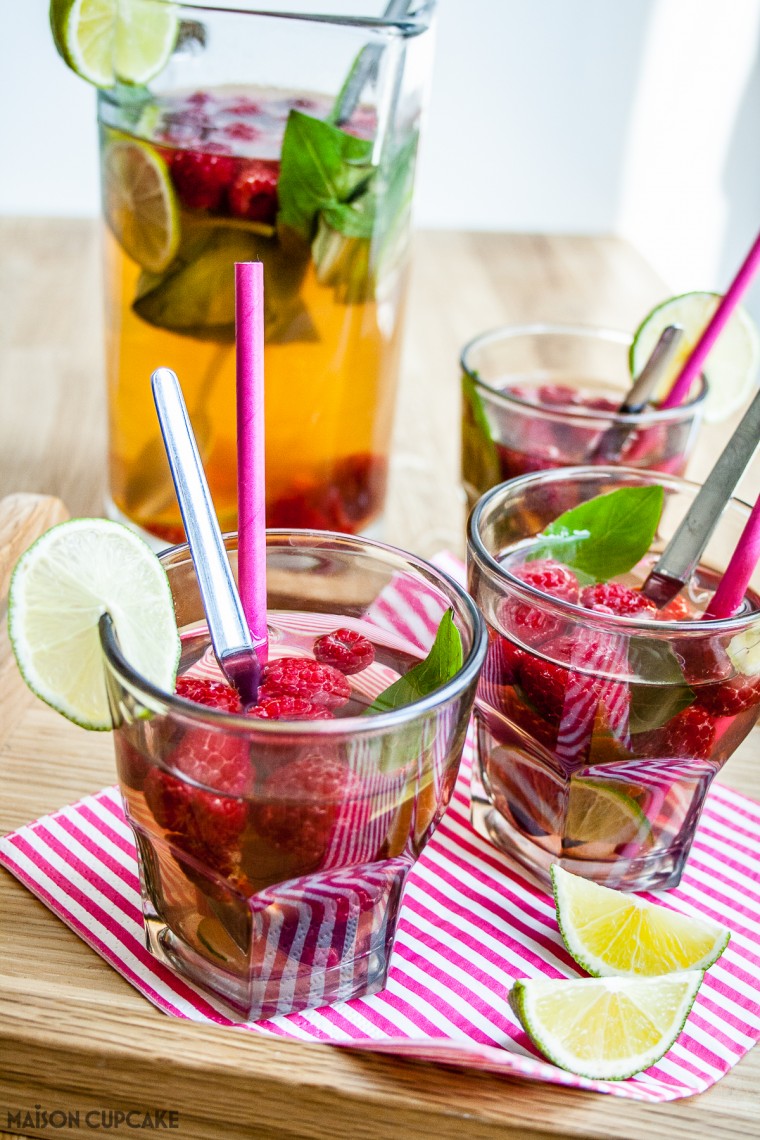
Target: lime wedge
{"points": [[732, 366], [605, 1028], [610, 933], [106, 40], [75, 572], [139, 203], [602, 819]]}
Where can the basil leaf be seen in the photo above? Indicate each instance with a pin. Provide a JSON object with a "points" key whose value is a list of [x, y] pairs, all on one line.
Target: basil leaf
{"points": [[442, 662], [195, 296], [605, 536], [666, 694], [320, 168]]}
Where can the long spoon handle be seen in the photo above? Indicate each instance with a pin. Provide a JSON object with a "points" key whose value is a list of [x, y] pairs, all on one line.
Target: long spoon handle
{"points": [[679, 559], [227, 624]]}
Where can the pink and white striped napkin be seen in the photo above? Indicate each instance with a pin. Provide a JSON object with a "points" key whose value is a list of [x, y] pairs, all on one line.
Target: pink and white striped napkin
{"points": [[469, 926]]}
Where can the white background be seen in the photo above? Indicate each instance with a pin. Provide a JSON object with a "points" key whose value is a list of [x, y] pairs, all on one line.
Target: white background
{"points": [[636, 117]]}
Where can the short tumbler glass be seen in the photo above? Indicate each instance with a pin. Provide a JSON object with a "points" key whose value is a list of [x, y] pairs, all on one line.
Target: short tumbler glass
{"points": [[598, 735], [276, 886], [540, 396]]}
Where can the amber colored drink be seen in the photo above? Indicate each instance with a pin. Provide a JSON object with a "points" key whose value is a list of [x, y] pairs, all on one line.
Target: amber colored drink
{"points": [[334, 302]]}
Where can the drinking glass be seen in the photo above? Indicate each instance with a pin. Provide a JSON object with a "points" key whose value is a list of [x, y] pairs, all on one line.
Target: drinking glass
{"points": [[288, 137], [276, 885], [598, 735], [540, 396]]}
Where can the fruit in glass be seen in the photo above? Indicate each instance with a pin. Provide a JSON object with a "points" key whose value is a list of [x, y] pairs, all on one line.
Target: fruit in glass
{"points": [[274, 844], [205, 167], [536, 397], [602, 721]]}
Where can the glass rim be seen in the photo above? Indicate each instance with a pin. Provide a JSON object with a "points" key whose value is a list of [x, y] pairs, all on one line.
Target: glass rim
{"points": [[158, 700], [409, 25], [606, 622], [508, 400]]}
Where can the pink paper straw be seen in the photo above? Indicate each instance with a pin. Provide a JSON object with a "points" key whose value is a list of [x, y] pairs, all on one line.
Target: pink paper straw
{"points": [[727, 599], [249, 339], [693, 365]]}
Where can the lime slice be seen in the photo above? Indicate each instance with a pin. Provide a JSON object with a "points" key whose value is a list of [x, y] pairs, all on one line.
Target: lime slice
{"points": [[103, 40], [602, 819], [75, 572], [610, 933], [732, 365], [139, 203], [605, 1028]]}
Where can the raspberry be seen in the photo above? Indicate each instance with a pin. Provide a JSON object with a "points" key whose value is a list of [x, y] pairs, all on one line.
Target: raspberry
{"points": [[244, 132], [201, 178], [168, 799], [688, 735], [243, 106], [529, 623], [612, 597], [346, 650], [544, 682], [216, 818], [253, 193], [302, 677], [557, 395], [303, 799], [345, 501], [289, 708], [551, 577], [730, 697], [502, 662], [213, 694]]}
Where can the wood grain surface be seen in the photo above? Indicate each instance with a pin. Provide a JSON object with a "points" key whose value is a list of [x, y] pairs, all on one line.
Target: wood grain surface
{"points": [[73, 1034]]}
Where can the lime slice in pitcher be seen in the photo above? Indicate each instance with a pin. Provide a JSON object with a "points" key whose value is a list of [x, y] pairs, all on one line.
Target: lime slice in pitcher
{"points": [[139, 203], [61, 586], [612, 933], [103, 40], [605, 1028], [731, 367]]}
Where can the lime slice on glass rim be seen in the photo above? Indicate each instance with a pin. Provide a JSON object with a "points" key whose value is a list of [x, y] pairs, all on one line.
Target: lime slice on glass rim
{"points": [[106, 40], [611, 934], [605, 1028], [61, 585], [732, 365], [139, 203]]}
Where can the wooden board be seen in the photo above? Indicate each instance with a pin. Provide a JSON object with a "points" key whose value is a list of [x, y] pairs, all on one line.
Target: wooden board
{"points": [[73, 1034]]}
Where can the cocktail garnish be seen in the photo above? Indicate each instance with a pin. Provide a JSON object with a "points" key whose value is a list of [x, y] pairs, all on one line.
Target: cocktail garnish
{"points": [[611, 933], [606, 535], [102, 41], [731, 371], [441, 664], [720, 317], [61, 588], [679, 559], [605, 1028]]}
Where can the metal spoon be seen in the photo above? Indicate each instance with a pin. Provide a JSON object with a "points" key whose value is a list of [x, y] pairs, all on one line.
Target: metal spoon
{"points": [[679, 559], [230, 635], [364, 67], [612, 442]]}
